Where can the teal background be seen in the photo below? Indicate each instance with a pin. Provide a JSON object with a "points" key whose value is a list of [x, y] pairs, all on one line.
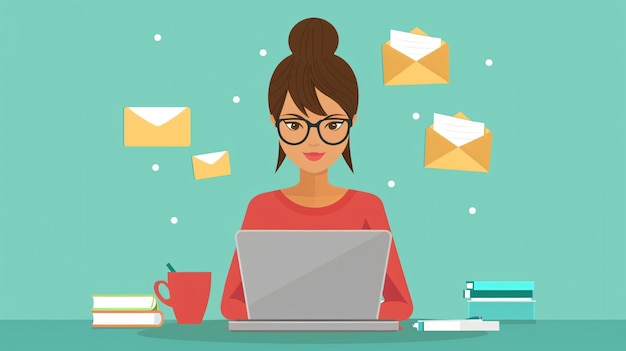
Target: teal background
{"points": [[81, 214]]}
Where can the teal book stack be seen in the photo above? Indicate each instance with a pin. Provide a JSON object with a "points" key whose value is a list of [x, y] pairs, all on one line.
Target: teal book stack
{"points": [[500, 300]]}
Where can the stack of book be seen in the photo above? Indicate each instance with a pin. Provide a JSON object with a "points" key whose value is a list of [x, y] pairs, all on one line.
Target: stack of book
{"points": [[126, 311], [500, 300]]}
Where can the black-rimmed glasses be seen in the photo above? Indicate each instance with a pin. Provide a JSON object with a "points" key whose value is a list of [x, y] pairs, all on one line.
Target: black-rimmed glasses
{"points": [[332, 130]]}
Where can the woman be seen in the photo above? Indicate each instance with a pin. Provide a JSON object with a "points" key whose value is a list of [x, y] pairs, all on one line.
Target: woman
{"points": [[313, 97]]}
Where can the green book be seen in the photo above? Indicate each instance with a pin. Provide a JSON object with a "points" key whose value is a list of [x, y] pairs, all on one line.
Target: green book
{"points": [[468, 293], [500, 285], [124, 302]]}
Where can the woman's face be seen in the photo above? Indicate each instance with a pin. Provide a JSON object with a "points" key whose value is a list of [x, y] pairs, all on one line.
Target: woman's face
{"points": [[317, 152]]}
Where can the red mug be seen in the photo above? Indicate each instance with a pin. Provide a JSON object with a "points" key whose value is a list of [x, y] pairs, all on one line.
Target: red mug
{"points": [[189, 295]]}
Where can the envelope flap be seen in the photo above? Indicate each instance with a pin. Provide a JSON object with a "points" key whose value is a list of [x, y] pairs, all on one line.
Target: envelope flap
{"points": [[461, 115], [157, 116], [211, 158], [416, 30]]}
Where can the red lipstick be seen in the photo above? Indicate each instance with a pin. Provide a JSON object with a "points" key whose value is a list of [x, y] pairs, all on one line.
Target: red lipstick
{"points": [[314, 156]]}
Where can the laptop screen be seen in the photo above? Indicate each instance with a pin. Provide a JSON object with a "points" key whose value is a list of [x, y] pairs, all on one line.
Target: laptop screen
{"points": [[313, 274]]}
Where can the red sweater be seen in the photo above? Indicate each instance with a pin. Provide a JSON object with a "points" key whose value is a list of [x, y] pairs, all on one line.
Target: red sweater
{"points": [[356, 210]]}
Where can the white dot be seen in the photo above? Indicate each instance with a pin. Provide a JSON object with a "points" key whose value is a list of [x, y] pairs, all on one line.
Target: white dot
{"points": [[157, 37], [236, 99], [391, 183], [489, 62], [263, 52], [155, 167], [472, 210], [416, 116], [174, 220]]}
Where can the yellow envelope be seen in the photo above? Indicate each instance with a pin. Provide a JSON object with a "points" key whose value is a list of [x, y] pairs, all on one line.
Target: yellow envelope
{"points": [[441, 153], [211, 165], [157, 126], [399, 69]]}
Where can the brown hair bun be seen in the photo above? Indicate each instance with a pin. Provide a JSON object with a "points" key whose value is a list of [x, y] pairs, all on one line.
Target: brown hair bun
{"points": [[313, 38], [312, 67]]}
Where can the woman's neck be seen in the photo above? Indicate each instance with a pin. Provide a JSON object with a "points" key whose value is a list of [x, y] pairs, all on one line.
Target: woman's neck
{"points": [[313, 184], [314, 190]]}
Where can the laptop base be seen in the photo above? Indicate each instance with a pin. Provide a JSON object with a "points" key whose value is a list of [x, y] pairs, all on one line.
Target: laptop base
{"points": [[255, 325]]}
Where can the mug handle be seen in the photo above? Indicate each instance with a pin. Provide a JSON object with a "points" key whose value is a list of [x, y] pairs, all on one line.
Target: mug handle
{"points": [[158, 294]]}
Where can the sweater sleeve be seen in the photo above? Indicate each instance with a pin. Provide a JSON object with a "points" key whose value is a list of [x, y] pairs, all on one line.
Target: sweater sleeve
{"points": [[397, 303], [233, 299]]}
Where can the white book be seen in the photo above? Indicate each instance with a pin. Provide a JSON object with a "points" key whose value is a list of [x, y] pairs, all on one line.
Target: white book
{"points": [[456, 325], [127, 319], [124, 302]]}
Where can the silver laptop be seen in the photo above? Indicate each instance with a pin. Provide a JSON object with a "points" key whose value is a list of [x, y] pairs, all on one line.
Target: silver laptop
{"points": [[313, 280]]}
